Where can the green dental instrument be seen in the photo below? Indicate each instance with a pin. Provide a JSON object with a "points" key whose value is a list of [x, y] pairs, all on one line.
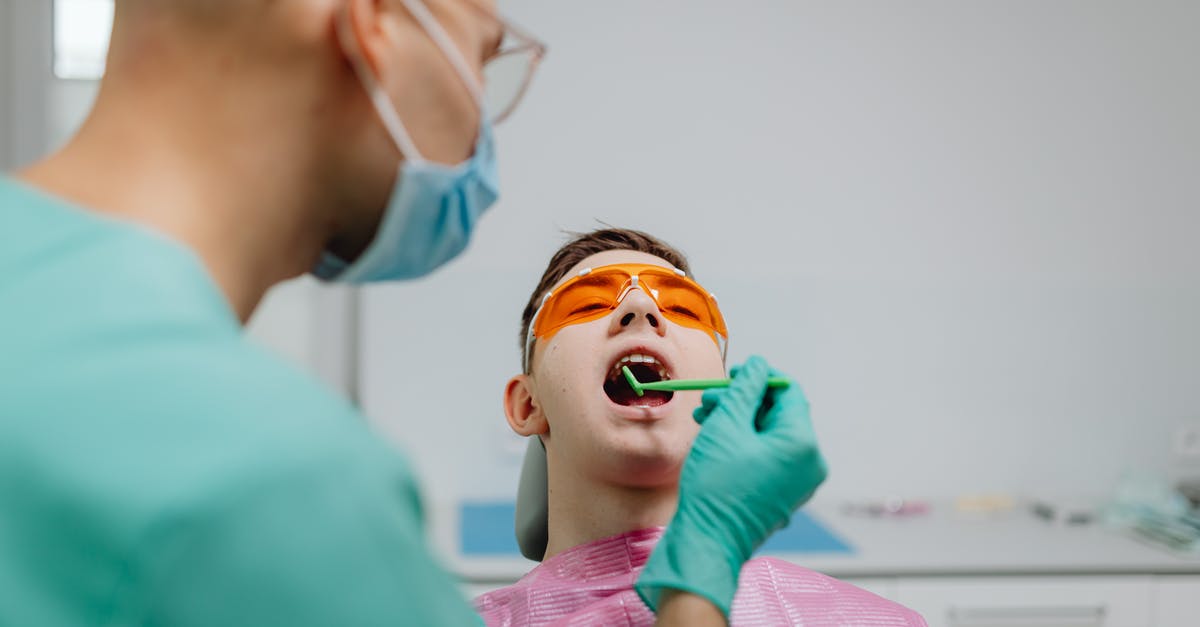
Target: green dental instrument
{"points": [[675, 385]]}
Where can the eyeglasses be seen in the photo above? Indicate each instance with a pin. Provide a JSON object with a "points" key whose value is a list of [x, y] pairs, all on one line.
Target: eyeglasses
{"points": [[508, 71], [597, 292]]}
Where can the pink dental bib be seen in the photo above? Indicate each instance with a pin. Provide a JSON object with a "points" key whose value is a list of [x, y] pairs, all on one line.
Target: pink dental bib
{"points": [[592, 584]]}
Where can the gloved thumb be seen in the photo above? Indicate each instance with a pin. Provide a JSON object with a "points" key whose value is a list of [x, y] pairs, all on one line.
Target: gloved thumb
{"points": [[788, 408], [708, 401], [745, 393]]}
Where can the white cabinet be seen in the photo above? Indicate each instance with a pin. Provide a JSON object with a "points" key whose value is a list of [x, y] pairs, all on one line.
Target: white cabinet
{"points": [[1053, 601], [883, 586], [1177, 601], [1007, 571], [1029, 601]]}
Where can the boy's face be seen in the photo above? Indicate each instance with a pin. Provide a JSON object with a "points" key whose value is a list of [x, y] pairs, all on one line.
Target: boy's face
{"points": [[604, 431]]}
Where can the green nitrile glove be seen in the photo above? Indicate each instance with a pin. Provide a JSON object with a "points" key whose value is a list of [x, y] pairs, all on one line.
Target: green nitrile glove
{"points": [[754, 462]]}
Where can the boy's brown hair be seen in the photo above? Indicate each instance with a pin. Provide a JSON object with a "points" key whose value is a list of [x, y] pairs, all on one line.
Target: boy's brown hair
{"points": [[583, 245]]}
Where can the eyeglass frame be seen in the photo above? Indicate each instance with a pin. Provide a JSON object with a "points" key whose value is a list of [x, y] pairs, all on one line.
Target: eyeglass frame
{"points": [[528, 44], [722, 340]]}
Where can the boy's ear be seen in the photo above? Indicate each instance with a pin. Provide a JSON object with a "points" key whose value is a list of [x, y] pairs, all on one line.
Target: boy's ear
{"points": [[522, 408]]}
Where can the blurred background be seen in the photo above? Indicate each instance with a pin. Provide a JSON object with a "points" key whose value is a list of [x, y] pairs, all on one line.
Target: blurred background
{"points": [[970, 229]]}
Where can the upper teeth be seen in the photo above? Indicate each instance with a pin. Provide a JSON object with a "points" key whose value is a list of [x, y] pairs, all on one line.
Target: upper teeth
{"points": [[636, 358]]}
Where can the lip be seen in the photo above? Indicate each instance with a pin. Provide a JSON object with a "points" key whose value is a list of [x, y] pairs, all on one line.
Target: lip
{"points": [[639, 414]]}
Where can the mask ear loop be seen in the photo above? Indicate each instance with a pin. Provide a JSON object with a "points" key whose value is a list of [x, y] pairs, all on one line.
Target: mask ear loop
{"points": [[383, 105], [440, 37]]}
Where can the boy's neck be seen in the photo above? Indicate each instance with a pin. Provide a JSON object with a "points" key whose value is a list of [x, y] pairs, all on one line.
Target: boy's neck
{"points": [[583, 511]]}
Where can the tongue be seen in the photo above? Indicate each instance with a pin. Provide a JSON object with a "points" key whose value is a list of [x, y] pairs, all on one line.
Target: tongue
{"points": [[621, 393]]}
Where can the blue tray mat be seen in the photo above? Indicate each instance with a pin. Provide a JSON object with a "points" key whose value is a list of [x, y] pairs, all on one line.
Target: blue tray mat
{"points": [[486, 529]]}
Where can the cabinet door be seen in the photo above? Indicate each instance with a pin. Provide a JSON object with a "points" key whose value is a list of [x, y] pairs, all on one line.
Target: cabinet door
{"points": [[883, 586], [1030, 601], [1177, 601]]}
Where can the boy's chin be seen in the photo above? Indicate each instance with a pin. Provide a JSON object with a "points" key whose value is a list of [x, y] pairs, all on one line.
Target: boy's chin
{"points": [[648, 468]]}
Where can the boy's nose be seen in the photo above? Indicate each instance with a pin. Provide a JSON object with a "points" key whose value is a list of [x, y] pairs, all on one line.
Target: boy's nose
{"points": [[637, 309]]}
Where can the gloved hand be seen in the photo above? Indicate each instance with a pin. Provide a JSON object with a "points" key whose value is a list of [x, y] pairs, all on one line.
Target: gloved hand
{"points": [[754, 462]]}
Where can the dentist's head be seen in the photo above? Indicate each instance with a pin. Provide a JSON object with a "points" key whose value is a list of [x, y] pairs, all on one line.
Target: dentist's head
{"points": [[350, 138]]}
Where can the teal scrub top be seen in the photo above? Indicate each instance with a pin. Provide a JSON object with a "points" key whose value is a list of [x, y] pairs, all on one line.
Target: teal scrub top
{"points": [[156, 468]]}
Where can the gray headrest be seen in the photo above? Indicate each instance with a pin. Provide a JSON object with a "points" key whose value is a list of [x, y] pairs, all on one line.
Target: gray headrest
{"points": [[533, 494]]}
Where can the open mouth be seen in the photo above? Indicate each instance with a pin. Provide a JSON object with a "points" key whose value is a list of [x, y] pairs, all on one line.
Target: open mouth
{"points": [[645, 368]]}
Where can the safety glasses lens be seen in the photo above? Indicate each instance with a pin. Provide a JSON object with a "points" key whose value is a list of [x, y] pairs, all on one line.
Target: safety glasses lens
{"points": [[595, 295]]}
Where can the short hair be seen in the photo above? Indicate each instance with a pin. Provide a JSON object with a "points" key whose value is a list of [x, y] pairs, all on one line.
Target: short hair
{"points": [[584, 245]]}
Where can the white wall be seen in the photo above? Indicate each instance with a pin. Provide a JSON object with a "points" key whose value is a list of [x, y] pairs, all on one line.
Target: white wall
{"points": [[25, 53], [312, 325], [6, 87], [970, 230]]}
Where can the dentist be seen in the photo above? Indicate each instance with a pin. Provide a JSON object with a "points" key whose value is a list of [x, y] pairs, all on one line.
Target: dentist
{"points": [[155, 467]]}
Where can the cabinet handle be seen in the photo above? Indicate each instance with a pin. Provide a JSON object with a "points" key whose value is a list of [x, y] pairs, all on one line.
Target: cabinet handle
{"points": [[1047, 616]]}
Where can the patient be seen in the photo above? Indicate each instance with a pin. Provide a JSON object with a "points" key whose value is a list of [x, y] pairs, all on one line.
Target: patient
{"points": [[594, 499]]}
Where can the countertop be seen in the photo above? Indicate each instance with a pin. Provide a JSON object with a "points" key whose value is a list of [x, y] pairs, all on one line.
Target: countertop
{"points": [[942, 542]]}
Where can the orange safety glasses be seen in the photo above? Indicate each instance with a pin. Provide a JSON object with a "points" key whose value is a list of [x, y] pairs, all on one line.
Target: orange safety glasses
{"points": [[596, 292]]}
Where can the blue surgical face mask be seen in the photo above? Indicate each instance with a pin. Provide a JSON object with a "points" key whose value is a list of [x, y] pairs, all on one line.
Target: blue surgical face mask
{"points": [[428, 221], [433, 208]]}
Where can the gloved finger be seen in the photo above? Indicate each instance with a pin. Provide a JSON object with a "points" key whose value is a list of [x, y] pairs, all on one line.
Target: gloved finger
{"points": [[815, 470], [781, 375], [701, 413], [806, 465], [711, 398], [745, 392], [789, 415], [709, 401], [788, 427]]}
